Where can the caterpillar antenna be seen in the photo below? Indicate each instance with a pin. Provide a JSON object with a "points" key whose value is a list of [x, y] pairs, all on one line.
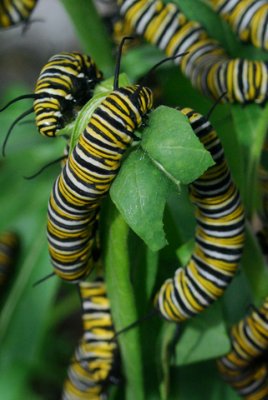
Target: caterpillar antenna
{"points": [[212, 108], [11, 128], [45, 167], [135, 323], [118, 60], [22, 97], [44, 279]]}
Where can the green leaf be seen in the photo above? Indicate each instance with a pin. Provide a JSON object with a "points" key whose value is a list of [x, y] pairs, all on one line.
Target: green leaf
{"points": [[146, 180], [142, 203], [173, 147], [195, 342], [120, 291], [84, 116]]}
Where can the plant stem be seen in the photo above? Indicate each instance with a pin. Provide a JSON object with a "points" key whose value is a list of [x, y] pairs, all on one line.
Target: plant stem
{"points": [[91, 32], [120, 291]]}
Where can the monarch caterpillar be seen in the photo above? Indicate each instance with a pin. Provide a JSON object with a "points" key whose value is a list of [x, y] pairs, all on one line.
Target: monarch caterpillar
{"points": [[9, 246], [87, 175], [96, 357], [248, 19], [13, 12], [206, 63], [64, 85], [219, 235], [244, 367]]}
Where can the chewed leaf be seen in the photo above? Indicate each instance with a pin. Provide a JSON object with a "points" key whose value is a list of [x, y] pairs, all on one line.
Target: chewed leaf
{"points": [[173, 147], [139, 192]]}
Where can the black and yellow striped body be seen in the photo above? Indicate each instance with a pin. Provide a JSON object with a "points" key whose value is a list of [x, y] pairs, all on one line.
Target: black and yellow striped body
{"points": [[245, 367], [248, 19], [207, 64], [219, 235], [9, 246], [64, 85], [95, 359], [87, 176], [13, 12]]}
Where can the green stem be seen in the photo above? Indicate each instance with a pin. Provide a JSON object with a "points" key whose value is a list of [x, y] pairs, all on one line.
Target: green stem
{"points": [[167, 337], [91, 32], [120, 290]]}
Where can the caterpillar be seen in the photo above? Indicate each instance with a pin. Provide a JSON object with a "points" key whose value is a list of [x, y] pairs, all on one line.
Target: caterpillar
{"points": [[248, 19], [65, 84], [87, 175], [13, 12], [9, 247], [206, 63], [96, 358], [219, 235], [245, 367]]}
